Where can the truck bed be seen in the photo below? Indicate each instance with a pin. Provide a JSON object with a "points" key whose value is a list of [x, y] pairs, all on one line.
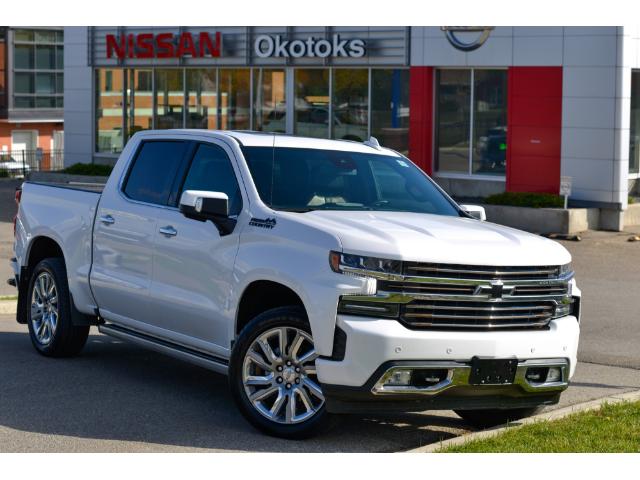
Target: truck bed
{"points": [[64, 213]]}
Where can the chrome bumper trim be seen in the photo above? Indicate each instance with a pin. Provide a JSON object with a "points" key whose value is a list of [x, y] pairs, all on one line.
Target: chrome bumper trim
{"points": [[458, 374]]}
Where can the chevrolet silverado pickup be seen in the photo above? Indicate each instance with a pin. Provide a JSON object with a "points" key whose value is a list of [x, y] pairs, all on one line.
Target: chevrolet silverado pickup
{"points": [[321, 276]]}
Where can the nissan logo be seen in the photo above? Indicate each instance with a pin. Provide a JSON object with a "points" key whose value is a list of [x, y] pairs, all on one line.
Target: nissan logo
{"points": [[450, 33]]}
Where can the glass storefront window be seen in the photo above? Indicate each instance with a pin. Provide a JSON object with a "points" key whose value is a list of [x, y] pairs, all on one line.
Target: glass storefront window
{"points": [[489, 122], [109, 102], [139, 101], [38, 69], [202, 99], [269, 103], [24, 83], [350, 104], [46, 57], [169, 98], [634, 133], [471, 108], [390, 108], [45, 83], [221, 98], [23, 56], [454, 120], [311, 107], [235, 103]]}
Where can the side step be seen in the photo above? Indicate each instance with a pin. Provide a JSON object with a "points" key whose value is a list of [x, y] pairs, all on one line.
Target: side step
{"points": [[210, 362]]}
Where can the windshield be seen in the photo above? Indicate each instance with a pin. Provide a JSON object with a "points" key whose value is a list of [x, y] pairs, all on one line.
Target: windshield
{"points": [[305, 179]]}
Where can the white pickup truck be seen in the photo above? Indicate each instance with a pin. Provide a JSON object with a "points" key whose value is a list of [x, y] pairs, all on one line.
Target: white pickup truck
{"points": [[322, 276]]}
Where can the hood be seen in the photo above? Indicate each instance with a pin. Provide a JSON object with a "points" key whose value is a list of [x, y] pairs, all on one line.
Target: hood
{"points": [[436, 238]]}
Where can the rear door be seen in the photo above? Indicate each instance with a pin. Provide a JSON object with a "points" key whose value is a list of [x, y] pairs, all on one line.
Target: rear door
{"points": [[193, 262], [125, 229]]}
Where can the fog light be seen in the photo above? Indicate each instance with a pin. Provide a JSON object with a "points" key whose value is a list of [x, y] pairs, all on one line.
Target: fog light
{"points": [[399, 378], [537, 374], [554, 374]]}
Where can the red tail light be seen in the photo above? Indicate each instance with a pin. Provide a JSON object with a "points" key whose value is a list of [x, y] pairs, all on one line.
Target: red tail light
{"points": [[17, 198]]}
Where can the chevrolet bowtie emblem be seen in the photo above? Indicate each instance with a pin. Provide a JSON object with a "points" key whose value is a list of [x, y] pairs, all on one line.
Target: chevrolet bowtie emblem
{"points": [[497, 289]]}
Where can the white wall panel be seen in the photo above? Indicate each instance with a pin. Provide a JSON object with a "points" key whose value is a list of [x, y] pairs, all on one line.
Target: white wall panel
{"points": [[590, 50], [588, 82], [78, 97], [588, 112], [537, 51], [497, 51], [593, 143]]}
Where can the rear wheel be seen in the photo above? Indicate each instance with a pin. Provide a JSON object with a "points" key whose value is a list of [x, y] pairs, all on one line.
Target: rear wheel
{"points": [[49, 311], [273, 375], [493, 417]]}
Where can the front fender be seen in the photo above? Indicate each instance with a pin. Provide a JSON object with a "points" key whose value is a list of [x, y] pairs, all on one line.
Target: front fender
{"points": [[305, 270]]}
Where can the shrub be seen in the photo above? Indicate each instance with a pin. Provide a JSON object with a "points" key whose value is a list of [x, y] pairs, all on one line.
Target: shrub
{"points": [[525, 199], [91, 169]]}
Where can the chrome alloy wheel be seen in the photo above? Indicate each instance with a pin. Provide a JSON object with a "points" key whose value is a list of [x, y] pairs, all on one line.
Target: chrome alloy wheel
{"points": [[44, 308], [279, 376]]}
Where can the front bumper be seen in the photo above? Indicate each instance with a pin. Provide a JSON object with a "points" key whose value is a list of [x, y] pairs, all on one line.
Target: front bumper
{"points": [[374, 346]]}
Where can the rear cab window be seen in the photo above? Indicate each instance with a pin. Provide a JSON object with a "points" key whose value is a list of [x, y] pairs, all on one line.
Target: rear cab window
{"points": [[154, 170]]}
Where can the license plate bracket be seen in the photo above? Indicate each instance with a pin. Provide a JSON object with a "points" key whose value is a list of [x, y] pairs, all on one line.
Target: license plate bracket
{"points": [[492, 371]]}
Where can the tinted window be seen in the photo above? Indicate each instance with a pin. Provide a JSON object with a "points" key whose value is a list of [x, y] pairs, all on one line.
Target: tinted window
{"points": [[154, 170], [301, 179], [211, 171]]}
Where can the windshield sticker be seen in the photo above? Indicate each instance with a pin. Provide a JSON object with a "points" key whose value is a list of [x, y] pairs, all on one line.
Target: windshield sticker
{"points": [[402, 163], [268, 223]]}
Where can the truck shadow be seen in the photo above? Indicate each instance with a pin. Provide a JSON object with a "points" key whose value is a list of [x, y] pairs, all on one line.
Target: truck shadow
{"points": [[118, 392]]}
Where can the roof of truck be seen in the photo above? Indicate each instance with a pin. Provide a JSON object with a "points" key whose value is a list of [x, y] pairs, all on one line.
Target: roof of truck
{"points": [[247, 138]]}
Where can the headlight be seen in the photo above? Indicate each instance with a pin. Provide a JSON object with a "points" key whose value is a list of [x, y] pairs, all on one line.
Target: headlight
{"points": [[347, 263]]}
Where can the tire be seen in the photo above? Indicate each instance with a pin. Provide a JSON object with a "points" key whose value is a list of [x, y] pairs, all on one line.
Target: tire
{"points": [[494, 417], [251, 363], [50, 328]]}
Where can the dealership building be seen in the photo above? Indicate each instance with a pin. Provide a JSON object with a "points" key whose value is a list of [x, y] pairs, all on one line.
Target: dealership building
{"points": [[481, 109]]}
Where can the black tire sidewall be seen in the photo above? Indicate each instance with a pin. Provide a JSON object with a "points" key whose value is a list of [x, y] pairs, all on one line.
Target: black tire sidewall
{"points": [[64, 328], [294, 317]]}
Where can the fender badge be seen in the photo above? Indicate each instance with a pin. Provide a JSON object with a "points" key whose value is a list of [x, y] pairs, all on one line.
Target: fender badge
{"points": [[263, 222]]}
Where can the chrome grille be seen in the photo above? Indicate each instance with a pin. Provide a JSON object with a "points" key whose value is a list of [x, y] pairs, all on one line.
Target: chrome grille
{"points": [[431, 313], [426, 288], [534, 290], [478, 272]]}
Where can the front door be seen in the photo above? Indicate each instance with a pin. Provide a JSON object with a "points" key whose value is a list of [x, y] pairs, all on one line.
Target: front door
{"points": [[23, 146], [125, 230], [193, 263]]}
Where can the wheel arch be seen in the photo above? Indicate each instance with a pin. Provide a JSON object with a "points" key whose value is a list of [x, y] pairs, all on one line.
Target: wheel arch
{"points": [[39, 248], [262, 295]]}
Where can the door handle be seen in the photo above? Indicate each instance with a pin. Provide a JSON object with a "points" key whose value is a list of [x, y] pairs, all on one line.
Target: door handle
{"points": [[107, 219], [168, 231]]}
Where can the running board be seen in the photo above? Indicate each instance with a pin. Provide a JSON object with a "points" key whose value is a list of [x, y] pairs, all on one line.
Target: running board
{"points": [[209, 362]]}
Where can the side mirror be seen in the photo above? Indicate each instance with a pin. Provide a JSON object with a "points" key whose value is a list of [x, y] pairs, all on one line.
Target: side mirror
{"points": [[476, 211], [204, 205]]}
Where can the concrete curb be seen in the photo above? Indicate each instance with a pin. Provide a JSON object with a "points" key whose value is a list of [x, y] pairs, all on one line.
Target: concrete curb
{"points": [[8, 306], [546, 416]]}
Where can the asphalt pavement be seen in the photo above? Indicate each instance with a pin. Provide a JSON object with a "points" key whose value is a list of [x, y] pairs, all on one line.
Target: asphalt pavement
{"points": [[117, 397]]}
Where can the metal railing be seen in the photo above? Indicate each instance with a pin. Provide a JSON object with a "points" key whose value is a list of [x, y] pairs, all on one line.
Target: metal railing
{"points": [[19, 163]]}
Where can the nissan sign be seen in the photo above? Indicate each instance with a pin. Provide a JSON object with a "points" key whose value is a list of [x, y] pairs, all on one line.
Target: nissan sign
{"points": [[267, 46], [468, 45]]}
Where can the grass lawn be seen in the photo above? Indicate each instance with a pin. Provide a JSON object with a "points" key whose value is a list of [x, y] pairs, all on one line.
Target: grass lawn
{"points": [[612, 428]]}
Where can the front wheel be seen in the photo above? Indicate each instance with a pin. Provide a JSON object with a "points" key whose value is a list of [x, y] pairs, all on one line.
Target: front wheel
{"points": [[273, 377], [494, 417]]}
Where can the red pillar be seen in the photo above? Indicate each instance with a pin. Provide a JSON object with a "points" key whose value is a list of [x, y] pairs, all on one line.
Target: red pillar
{"points": [[534, 132], [421, 117]]}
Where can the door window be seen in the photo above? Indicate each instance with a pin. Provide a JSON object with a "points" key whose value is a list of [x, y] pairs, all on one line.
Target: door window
{"points": [[154, 171], [211, 171]]}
